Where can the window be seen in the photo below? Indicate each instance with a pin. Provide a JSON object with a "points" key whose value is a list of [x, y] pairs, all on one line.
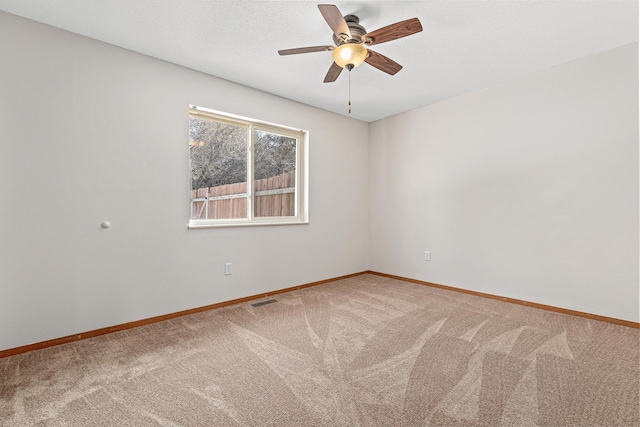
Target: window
{"points": [[245, 172]]}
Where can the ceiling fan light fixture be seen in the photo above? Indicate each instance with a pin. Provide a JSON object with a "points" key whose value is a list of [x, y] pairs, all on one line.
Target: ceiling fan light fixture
{"points": [[349, 54]]}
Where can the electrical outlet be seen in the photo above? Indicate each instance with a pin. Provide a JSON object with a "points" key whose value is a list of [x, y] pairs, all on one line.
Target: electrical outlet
{"points": [[228, 268], [427, 255]]}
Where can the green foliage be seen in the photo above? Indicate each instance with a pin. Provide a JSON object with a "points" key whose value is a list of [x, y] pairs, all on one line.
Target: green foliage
{"points": [[219, 153], [274, 155]]}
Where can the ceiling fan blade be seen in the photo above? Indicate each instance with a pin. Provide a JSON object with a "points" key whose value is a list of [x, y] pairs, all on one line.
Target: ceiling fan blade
{"points": [[305, 50], [334, 18], [394, 31], [383, 63], [333, 73]]}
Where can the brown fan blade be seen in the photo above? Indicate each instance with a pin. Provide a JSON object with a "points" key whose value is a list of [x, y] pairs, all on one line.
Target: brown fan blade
{"points": [[334, 18], [305, 50], [394, 31], [333, 73], [383, 63]]}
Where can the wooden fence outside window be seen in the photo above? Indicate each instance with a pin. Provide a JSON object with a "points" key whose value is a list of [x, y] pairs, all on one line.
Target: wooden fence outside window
{"points": [[275, 196]]}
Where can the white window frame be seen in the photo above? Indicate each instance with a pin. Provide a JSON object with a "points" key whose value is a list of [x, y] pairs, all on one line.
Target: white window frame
{"points": [[302, 161]]}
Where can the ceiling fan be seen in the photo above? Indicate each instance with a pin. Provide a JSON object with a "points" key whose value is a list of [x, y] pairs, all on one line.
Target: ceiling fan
{"points": [[352, 40]]}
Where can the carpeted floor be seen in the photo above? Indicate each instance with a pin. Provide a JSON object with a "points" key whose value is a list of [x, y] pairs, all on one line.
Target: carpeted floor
{"points": [[363, 351]]}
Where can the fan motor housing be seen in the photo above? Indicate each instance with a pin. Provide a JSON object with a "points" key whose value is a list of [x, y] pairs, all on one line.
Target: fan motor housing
{"points": [[357, 32]]}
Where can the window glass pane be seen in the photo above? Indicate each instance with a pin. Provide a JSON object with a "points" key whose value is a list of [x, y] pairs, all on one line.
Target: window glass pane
{"points": [[218, 157], [274, 175]]}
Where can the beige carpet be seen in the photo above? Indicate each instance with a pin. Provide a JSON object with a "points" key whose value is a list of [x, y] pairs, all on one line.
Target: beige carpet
{"points": [[364, 351]]}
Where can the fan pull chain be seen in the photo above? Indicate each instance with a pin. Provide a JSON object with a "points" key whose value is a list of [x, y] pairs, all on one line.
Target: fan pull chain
{"points": [[349, 91]]}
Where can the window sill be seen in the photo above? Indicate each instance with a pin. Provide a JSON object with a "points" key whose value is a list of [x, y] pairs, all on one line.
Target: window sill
{"points": [[212, 224]]}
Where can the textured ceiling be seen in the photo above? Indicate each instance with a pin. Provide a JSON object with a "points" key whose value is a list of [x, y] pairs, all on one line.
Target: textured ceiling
{"points": [[465, 45]]}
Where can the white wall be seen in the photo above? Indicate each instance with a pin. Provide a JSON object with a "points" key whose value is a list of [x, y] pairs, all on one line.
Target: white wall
{"points": [[90, 132], [527, 190]]}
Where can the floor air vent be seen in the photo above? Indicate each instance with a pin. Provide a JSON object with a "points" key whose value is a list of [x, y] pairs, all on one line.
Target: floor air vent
{"points": [[269, 301]]}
